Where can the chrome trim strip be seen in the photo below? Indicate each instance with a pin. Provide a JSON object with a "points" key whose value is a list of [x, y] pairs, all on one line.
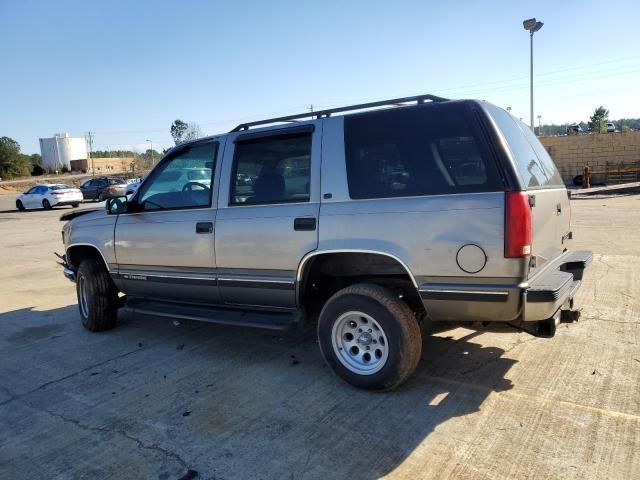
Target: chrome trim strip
{"points": [[473, 292], [236, 279]]}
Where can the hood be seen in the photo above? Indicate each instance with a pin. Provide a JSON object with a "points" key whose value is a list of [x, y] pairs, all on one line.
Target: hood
{"points": [[76, 213]]}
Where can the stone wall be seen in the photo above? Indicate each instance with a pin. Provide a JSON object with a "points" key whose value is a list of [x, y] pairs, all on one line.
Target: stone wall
{"points": [[613, 152]]}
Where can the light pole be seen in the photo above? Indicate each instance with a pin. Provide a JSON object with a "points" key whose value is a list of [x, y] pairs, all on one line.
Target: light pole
{"points": [[151, 142], [532, 26], [539, 125]]}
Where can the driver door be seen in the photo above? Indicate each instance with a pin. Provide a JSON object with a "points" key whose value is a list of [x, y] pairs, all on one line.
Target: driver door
{"points": [[164, 246]]}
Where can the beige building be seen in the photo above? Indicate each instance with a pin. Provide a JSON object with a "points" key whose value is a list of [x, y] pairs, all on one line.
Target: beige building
{"points": [[613, 157], [103, 165]]}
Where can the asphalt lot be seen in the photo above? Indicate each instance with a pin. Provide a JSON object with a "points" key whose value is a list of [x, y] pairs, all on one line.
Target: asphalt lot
{"points": [[152, 399]]}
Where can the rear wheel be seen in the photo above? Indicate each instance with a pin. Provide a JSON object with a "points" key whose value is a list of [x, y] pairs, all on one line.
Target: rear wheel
{"points": [[74, 205], [46, 205], [97, 296], [19, 205], [369, 337]]}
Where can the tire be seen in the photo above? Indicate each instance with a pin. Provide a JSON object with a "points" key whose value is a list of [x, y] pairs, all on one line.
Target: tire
{"points": [[46, 205], [376, 312], [19, 205], [74, 205], [97, 296], [101, 198]]}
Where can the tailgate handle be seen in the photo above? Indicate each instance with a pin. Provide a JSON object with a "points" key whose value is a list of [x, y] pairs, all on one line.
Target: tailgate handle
{"points": [[304, 224], [204, 227], [558, 209]]}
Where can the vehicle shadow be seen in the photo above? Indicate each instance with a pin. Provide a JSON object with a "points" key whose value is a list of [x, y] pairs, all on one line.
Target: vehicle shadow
{"points": [[232, 402]]}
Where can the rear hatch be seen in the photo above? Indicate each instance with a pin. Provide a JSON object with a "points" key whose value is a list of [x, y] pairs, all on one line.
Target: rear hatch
{"points": [[539, 177], [65, 192]]}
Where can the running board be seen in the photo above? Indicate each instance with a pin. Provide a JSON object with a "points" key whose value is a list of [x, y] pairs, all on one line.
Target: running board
{"points": [[225, 316]]}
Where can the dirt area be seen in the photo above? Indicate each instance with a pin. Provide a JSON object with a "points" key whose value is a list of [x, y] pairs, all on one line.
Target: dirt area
{"points": [[155, 399]]}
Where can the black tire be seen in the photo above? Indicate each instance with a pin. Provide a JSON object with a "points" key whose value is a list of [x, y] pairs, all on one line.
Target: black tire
{"points": [[74, 205], [19, 205], [396, 320], [101, 198], [46, 205], [101, 301]]}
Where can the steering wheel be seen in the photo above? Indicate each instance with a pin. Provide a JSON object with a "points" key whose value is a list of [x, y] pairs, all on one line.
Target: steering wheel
{"points": [[188, 187]]}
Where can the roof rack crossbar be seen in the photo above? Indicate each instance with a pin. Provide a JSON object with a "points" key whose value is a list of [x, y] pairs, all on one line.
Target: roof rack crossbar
{"points": [[327, 113]]}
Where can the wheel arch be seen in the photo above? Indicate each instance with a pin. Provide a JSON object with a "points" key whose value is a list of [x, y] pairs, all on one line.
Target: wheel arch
{"points": [[386, 260], [78, 252]]}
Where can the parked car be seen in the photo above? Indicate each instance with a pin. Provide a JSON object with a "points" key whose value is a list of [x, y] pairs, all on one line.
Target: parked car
{"points": [[101, 188], [48, 196], [611, 127], [375, 223], [133, 185]]}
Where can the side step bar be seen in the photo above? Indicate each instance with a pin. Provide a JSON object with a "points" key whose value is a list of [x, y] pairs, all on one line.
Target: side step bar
{"points": [[225, 316]]}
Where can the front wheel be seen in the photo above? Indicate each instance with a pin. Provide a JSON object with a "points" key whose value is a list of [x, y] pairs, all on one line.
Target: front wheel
{"points": [[74, 205], [19, 205], [369, 337], [97, 296]]}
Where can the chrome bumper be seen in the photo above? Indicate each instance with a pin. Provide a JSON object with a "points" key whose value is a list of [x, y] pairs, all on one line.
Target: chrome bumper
{"points": [[70, 274], [67, 270]]}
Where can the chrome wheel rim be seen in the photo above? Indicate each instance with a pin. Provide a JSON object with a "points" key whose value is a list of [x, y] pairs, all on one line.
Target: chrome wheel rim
{"points": [[360, 343], [83, 297]]}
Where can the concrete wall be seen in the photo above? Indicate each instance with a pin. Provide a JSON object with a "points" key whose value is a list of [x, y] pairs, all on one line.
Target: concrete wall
{"points": [[572, 153]]}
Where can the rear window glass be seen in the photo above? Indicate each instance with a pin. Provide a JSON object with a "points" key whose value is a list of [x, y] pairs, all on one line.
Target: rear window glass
{"points": [[59, 187], [535, 167], [428, 150], [117, 181]]}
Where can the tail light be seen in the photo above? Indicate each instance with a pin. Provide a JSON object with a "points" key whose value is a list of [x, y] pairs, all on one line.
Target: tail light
{"points": [[517, 225], [57, 193]]}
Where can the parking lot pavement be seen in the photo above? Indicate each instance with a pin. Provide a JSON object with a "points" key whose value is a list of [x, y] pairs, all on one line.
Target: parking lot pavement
{"points": [[155, 399]]}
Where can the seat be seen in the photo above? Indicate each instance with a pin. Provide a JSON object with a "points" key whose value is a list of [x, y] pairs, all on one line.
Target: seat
{"points": [[268, 187]]}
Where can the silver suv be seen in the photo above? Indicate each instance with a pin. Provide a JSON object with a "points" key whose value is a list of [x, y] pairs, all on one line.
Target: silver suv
{"points": [[376, 223]]}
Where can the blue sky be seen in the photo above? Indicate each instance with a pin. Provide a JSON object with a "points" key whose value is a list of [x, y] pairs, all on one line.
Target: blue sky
{"points": [[127, 69]]}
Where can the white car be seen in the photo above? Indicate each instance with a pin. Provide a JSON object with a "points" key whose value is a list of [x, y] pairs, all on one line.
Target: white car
{"points": [[48, 196]]}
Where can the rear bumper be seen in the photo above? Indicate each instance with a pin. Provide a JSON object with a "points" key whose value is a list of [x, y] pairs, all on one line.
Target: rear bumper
{"points": [[555, 287], [536, 299]]}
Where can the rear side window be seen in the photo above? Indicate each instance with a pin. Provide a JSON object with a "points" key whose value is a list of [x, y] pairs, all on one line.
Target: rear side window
{"points": [[272, 170], [535, 167], [428, 150]]}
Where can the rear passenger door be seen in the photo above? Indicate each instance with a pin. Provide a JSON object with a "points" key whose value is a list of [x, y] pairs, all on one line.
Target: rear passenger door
{"points": [[267, 213]]}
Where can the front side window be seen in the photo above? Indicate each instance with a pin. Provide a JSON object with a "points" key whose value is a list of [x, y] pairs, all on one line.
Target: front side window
{"points": [[184, 180], [271, 170], [427, 150]]}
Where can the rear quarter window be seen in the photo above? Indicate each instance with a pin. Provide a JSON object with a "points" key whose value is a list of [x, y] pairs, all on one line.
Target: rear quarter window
{"points": [[533, 163], [424, 150]]}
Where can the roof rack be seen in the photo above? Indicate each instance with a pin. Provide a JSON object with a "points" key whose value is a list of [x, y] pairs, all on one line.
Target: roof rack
{"points": [[327, 113]]}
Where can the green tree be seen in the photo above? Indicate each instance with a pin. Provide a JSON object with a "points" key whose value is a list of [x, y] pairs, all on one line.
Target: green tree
{"points": [[179, 130], [12, 162], [598, 121]]}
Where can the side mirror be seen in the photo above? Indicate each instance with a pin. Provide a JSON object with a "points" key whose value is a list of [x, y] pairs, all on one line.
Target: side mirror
{"points": [[117, 205]]}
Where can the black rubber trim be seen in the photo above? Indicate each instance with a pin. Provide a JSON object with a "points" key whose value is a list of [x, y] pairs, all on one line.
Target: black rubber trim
{"points": [[297, 130], [462, 296]]}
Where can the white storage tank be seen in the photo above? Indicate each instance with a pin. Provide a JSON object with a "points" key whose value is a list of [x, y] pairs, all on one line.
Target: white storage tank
{"points": [[58, 151]]}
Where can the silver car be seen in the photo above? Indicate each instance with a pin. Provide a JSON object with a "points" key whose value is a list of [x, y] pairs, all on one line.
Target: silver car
{"points": [[375, 224]]}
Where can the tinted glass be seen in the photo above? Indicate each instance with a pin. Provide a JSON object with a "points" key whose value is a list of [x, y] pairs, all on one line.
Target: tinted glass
{"points": [[117, 181], [59, 187], [272, 170], [535, 167], [427, 150], [170, 185]]}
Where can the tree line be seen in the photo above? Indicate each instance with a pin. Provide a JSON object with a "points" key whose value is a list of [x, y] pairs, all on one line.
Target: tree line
{"points": [[597, 123], [14, 163]]}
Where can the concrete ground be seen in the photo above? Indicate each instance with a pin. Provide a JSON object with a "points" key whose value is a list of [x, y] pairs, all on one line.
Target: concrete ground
{"points": [[155, 399]]}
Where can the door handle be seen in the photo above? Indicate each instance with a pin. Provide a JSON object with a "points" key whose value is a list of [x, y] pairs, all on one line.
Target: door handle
{"points": [[204, 227], [304, 224]]}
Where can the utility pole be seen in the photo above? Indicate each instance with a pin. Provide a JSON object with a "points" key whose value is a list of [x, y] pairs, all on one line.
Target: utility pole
{"points": [[152, 161], [93, 169]]}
